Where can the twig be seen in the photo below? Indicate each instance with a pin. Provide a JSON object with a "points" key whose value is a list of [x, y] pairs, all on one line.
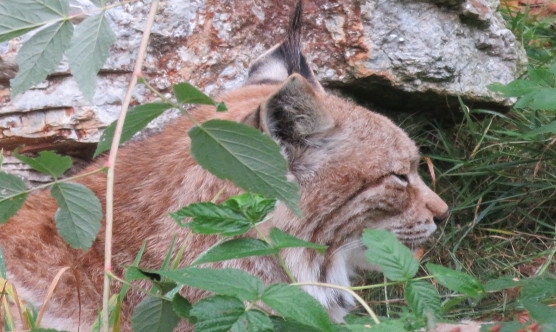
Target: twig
{"points": [[112, 162], [345, 289]]}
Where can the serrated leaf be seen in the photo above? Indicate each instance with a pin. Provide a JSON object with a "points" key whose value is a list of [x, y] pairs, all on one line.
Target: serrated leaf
{"points": [[541, 313], [234, 216], [422, 297], [210, 218], [287, 325], [154, 315], [501, 283], [236, 248], [182, 307], [281, 240], [136, 119], [2, 265], [537, 288], [217, 313], [12, 195], [253, 207], [395, 260], [306, 309], [89, 50], [40, 55], [232, 282], [79, 214], [252, 321], [188, 94], [245, 156], [48, 162], [515, 88], [456, 281], [221, 107], [21, 16]]}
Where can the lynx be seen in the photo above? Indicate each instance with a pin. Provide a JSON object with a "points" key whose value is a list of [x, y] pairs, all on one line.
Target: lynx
{"points": [[355, 170]]}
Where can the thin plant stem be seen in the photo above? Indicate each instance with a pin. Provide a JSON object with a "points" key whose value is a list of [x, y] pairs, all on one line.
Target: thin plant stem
{"points": [[112, 163], [362, 302]]}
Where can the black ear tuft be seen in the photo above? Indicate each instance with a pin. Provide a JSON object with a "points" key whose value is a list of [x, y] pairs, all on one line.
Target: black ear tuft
{"points": [[294, 114], [284, 59]]}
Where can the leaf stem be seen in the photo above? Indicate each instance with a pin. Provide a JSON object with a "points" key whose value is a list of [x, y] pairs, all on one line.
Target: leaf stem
{"points": [[112, 163], [50, 184], [345, 289]]}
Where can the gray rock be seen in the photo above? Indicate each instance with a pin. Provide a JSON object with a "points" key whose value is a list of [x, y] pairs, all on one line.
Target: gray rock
{"points": [[400, 55]]}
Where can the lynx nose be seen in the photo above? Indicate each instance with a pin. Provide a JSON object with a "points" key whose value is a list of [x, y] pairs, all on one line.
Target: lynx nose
{"points": [[441, 218]]}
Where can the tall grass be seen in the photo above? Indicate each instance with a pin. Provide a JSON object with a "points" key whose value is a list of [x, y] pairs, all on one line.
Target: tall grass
{"points": [[499, 178]]}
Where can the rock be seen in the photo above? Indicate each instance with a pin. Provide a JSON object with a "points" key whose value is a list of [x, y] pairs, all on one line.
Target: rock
{"points": [[402, 55]]}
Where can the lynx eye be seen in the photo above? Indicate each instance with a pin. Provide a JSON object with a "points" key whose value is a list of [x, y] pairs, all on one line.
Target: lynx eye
{"points": [[403, 178]]}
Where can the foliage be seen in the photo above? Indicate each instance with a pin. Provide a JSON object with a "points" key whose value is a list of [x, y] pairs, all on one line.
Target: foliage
{"points": [[497, 170]]}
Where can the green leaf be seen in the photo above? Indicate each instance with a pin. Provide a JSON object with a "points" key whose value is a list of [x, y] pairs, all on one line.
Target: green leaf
{"points": [[154, 314], [40, 55], [232, 282], [182, 307], [217, 313], [48, 162], [541, 99], [516, 88], [210, 218], [89, 50], [422, 297], [294, 303], [501, 283], [281, 240], [21, 16], [221, 107], [549, 128], [236, 248], [538, 288], [394, 259], [252, 320], [12, 195], [245, 156], [2, 265], [287, 325], [254, 207], [79, 214], [188, 94], [541, 313], [136, 119], [456, 281]]}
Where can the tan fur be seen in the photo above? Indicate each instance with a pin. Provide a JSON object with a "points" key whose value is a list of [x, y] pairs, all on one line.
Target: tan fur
{"points": [[355, 168], [157, 176]]}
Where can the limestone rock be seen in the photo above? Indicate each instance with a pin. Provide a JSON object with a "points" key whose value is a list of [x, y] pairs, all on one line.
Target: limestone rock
{"points": [[401, 55]]}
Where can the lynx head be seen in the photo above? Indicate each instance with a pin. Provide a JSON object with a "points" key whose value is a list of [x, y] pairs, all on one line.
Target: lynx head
{"points": [[356, 169]]}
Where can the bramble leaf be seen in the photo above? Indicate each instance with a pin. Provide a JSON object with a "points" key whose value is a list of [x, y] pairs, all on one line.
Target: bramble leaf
{"points": [[13, 194], [136, 119], [236, 248], [422, 297], [21, 16], [154, 314], [245, 156], [79, 214], [456, 281], [48, 162], [217, 313], [232, 282], [40, 55], [89, 50], [281, 240], [307, 310], [394, 259]]}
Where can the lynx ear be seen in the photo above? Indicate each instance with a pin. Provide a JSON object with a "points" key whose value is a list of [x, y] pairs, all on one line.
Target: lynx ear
{"points": [[284, 59], [294, 115]]}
